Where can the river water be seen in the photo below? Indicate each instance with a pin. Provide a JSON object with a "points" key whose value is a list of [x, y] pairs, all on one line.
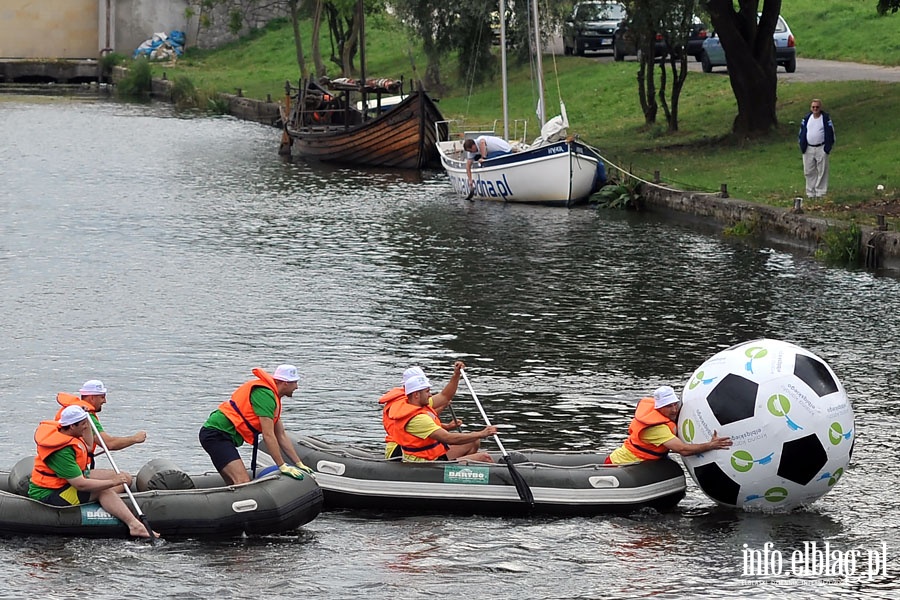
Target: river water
{"points": [[168, 256]]}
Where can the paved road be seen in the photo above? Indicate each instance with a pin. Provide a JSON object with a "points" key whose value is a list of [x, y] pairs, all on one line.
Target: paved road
{"points": [[808, 69]]}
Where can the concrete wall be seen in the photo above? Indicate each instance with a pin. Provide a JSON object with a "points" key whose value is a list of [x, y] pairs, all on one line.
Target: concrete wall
{"points": [[49, 28], [138, 20], [74, 29]]}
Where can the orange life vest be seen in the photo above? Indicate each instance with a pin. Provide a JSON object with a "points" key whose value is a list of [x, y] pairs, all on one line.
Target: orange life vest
{"points": [[397, 415], [239, 410], [49, 439], [393, 395], [646, 416], [66, 400]]}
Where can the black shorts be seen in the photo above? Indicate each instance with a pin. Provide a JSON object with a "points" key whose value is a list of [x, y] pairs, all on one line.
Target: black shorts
{"points": [[67, 496], [219, 446]]}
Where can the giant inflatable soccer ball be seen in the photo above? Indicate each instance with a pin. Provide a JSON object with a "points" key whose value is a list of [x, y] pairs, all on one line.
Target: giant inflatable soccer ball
{"points": [[788, 416]]}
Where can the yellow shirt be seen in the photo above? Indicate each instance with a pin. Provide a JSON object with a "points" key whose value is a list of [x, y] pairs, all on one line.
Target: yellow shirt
{"points": [[656, 435]]}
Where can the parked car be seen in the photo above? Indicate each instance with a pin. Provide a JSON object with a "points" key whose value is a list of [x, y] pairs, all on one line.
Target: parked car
{"points": [[591, 26], [624, 45], [785, 49]]}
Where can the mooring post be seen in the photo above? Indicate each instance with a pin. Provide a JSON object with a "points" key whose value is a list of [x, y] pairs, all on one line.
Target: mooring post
{"points": [[723, 190], [882, 226], [798, 205], [656, 176]]}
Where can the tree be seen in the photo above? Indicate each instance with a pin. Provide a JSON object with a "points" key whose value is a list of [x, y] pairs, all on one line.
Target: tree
{"points": [[750, 56], [672, 21], [888, 6], [447, 25]]}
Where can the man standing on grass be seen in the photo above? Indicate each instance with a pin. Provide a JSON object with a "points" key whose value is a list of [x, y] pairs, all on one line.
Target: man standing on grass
{"points": [[816, 141]]}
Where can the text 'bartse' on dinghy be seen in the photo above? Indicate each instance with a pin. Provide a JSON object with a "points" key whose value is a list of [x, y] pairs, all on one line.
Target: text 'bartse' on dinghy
{"points": [[176, 504], [554, 169], [562, 483]]}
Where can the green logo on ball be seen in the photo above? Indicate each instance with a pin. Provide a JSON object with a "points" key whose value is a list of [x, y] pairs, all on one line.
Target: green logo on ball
{"points": [[687, 430]]}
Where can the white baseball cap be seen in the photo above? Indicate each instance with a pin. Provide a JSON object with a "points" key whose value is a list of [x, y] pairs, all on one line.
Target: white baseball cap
{"points": [[286, 373], [93, 387], [416, 383], [71, 415], [664, 396]]}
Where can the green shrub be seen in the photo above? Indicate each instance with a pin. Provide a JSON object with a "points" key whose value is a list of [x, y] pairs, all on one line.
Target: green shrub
{"points": [[741, 228], [619, 196], [841, 245], [216, 103], [112, 59], [184, 93], [137, 81]]}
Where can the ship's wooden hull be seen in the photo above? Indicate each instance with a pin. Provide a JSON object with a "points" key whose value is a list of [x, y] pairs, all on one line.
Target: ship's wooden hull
{"points": [[403, 137]]}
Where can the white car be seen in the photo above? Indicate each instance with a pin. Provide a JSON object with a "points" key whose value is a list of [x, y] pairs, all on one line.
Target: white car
{"points": [[713, 54]]}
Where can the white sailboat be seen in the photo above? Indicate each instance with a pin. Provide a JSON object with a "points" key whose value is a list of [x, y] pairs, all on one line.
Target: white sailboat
{"points": [[554, 169]]}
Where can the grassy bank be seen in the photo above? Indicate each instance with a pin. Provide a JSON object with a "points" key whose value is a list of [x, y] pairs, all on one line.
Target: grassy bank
{"points": [[602, 104]]}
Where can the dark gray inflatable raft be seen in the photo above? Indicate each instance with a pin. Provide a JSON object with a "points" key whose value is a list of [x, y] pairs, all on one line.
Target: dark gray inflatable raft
{"points": [[563, 483], [175, 503]]}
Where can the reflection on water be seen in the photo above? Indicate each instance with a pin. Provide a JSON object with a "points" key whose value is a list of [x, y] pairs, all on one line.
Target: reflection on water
{"points": [[169, 256]]}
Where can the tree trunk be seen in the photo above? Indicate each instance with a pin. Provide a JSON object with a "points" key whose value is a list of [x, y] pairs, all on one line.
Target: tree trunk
{"points": [[298, 44], [750, 56], [316, 50]]}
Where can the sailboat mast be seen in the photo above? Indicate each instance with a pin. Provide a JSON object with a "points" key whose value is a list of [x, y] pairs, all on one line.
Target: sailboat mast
{"points": [[362, 41], [542, 108], [503, 68]]}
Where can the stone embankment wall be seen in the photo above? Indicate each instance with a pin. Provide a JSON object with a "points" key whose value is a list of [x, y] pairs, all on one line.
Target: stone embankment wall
{"points": [[248, 109], [880, 248]]}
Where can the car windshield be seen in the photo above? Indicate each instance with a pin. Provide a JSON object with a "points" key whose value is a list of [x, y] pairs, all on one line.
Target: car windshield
{"points": [[600, 12]]}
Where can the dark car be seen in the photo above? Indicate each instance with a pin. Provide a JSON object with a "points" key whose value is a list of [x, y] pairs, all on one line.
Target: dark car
{"points": [[623, 42], [591, 27]]}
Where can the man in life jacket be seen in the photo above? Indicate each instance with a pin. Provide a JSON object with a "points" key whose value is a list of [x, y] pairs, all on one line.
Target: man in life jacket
{"points": [[651, 434], [62, 477], [437, 403], [254, 410], [416, 428], [92, 398]]}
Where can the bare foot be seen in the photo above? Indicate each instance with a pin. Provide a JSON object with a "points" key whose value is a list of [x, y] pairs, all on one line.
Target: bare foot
{"points": [[140, 531]]}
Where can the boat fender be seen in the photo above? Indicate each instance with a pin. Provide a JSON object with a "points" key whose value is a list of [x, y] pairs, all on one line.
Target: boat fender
{"points": [[20, 476], [517, 458], [163, 474]]}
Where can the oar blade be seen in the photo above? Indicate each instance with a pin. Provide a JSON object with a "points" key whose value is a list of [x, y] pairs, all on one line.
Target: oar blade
{"points": [[522, 488]]}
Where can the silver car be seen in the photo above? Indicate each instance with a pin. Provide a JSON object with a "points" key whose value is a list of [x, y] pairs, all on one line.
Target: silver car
{"points": [[713, 54]]}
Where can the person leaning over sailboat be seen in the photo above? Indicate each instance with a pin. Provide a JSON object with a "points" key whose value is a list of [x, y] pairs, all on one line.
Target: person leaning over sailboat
{"points": [[62, 477], [412, 424], [482, 148], [651, 434]]}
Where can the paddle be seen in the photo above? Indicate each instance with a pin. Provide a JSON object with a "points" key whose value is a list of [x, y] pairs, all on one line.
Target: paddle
{"points": [[471, 193], [137, 509], [521, 485], [453, 415]]}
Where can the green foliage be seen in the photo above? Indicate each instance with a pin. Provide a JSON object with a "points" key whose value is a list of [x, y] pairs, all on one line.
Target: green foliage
{"points": [[619, 196], [112, 59], [841, 245], [137, 82], [742, 228], [216, 104], [184, 92]]}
